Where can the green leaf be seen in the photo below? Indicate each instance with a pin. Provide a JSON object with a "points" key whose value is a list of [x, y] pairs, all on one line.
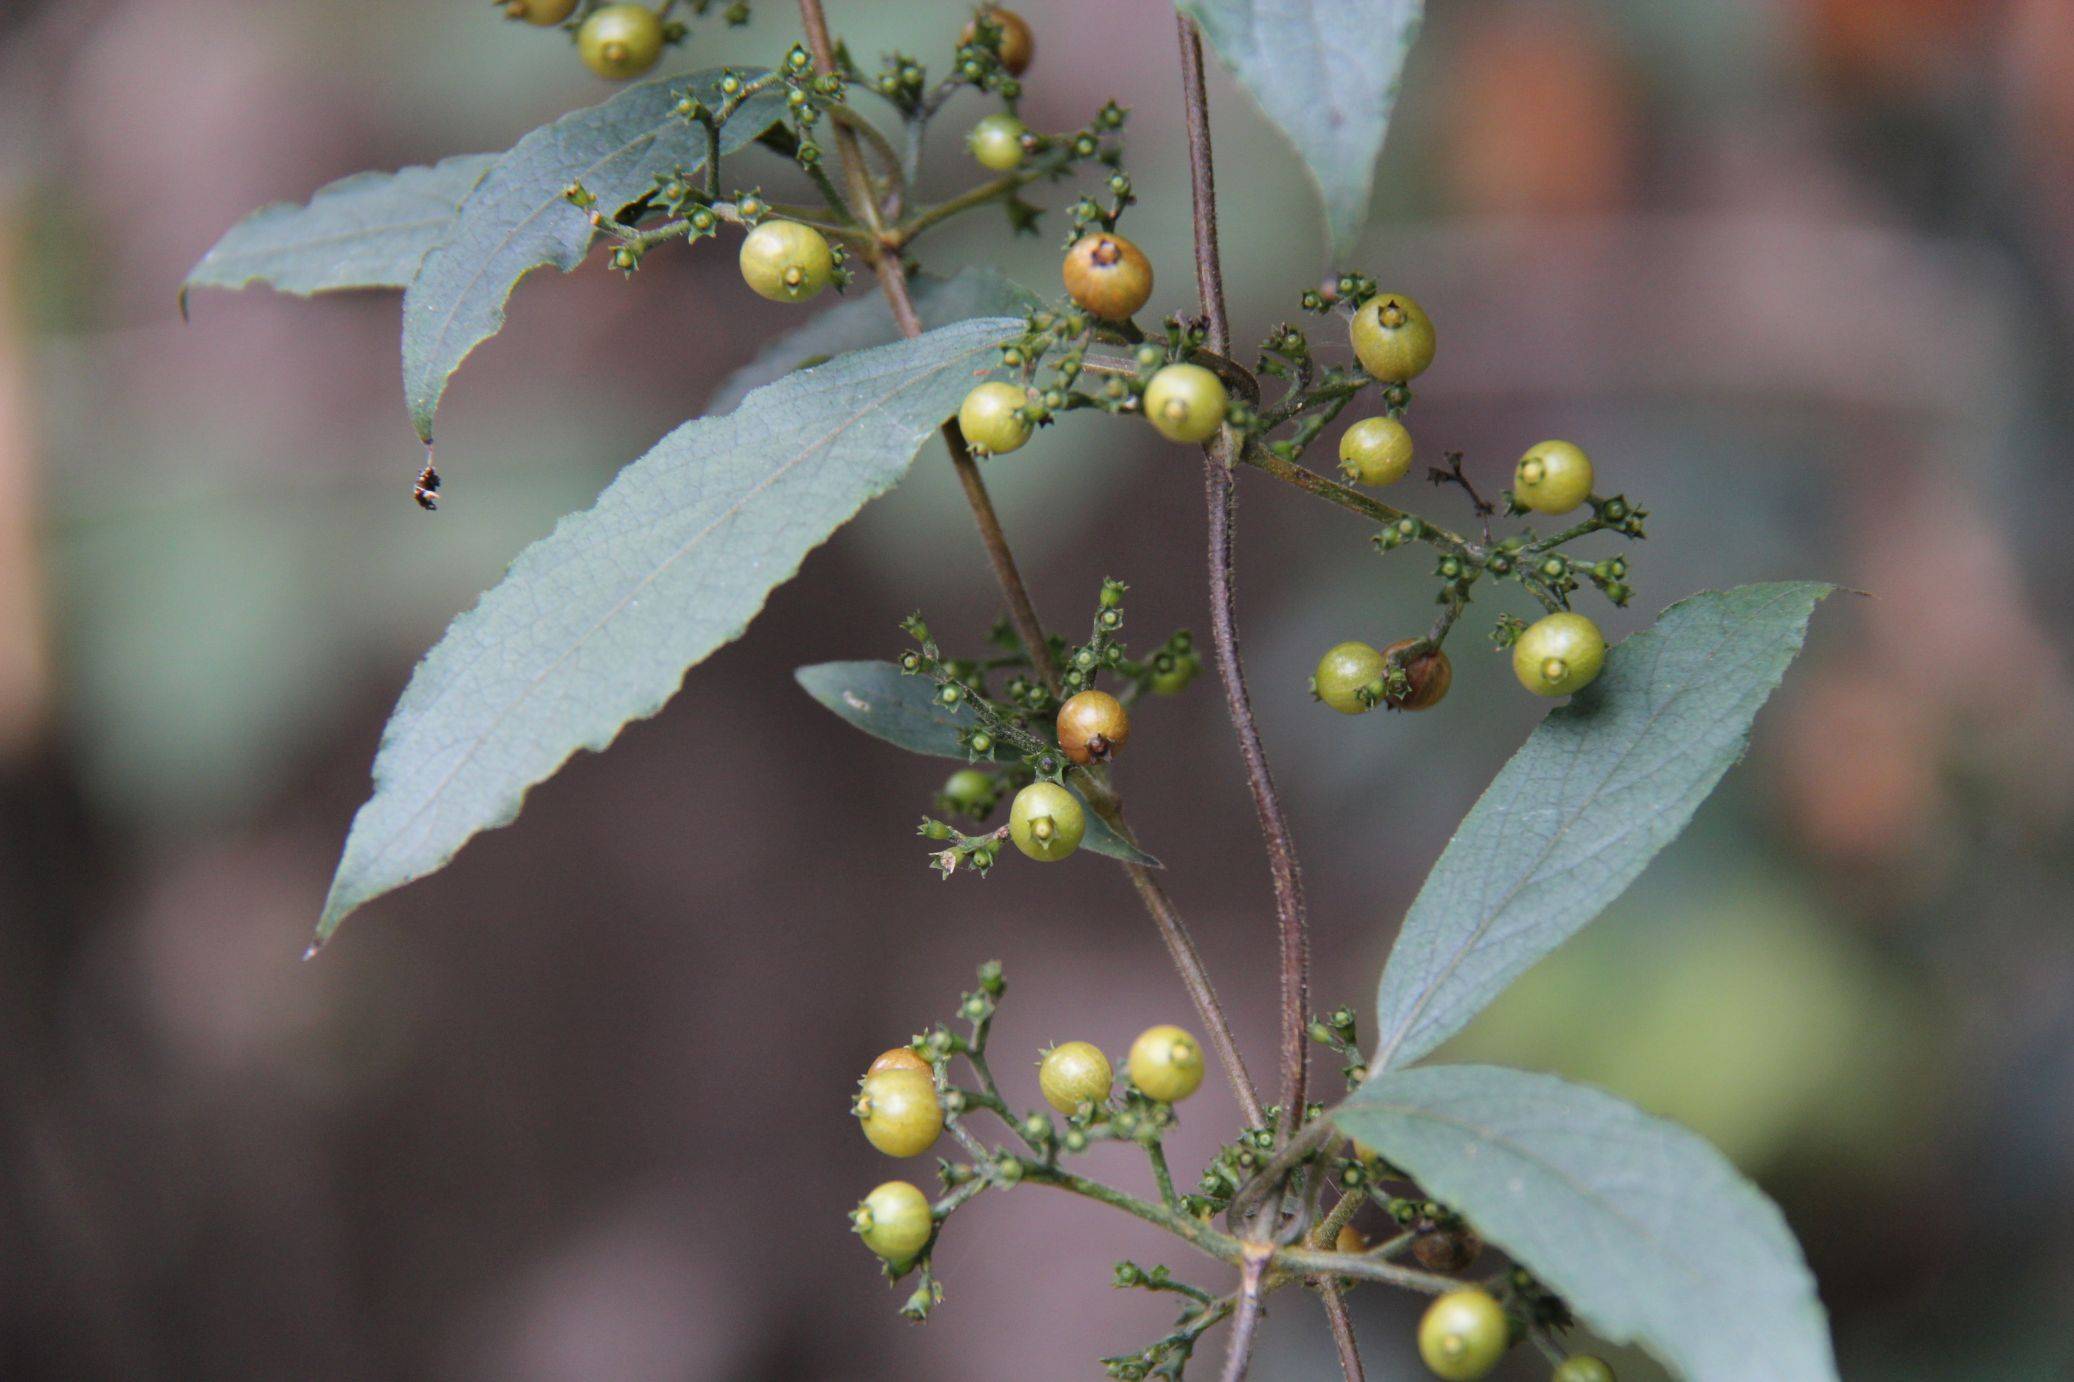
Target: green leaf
{"points": [[883, 701], [1603, 784], [1326, 72], [1646, 1230], [370, 230], [868, 321], [517, 220], [596, 624]]}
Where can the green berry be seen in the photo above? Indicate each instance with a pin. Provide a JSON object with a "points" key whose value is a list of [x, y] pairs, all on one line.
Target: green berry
{"points": [[1166, 1063], [786, 261], [1074, 1073], [1553, 477], [1046, 821], [1375, 451], [894, 1221], [1344, 670], [1559, 654], [1582, 1367], [997, 142], [899, 1112], [1186, 403], [1393, 337], [1463, 1335], [991, 417], [620, 41]]}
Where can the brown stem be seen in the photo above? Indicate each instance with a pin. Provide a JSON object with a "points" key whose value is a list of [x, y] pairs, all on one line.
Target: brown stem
{"points": [[1219, 457], [1239, 1351], [1022, 615], [1335, 1298]]}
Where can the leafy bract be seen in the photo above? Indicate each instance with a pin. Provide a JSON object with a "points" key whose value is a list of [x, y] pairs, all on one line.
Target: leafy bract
{"points": [[1326, 72], [518, 220], [596, 624], [1605, 782], [883, 701], [867, 321], [370, 230], [1644, 1229]]}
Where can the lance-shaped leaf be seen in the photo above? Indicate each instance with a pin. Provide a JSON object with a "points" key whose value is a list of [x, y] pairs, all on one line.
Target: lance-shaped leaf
{"points": [[1603, 784], [864, 321], [517, 220], [1646, 1230], [1326, 72], [597, 623], [370, 230], [881, 700]]}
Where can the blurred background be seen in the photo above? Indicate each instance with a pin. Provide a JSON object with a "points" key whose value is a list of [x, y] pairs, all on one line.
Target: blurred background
{"points": [[1799, 273]]}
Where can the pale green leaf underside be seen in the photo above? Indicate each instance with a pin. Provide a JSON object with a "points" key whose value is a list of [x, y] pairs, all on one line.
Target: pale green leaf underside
{"points": [[370, 230], [1605, 782], [866, 321], [517, 220], [1646, 1230], [596, 624], [881, 700], [1326, 73]]}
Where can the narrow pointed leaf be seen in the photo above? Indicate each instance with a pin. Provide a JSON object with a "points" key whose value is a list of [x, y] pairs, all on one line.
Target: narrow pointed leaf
{"points": [[1605, 782], [1646, 1230], [517, 220], [863, 321], [370, 230], [596, 624], [881, 700], [1326, 72]]}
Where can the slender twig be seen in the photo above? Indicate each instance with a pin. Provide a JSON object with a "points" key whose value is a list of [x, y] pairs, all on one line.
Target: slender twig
{"points": [[1022, 615], [1218, 487], [1334, 1297], [1239, 1351]]}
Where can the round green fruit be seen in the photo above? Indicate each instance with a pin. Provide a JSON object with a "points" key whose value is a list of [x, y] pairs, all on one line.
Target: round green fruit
{"points": [[786, 261], [1553, 477], [1166, 1063], [1074, 1073], [1186, 403], [894, 1221], [1375, 451], [1046, 821], [899, 1112], [997, 142], [1342, 673], [1582, 1367], [1463, 1335], [620, 42], [541, 12], [991, 417], [1393, 337], [1559, 654]]}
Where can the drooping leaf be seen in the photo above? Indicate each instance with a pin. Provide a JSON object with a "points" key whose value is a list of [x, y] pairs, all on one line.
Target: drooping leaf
{"points": [[596, 624], [1603, 784], [370, 230], [867, 321], [517, 220], [1326, 72], [1646, 1230], [881, 700]]}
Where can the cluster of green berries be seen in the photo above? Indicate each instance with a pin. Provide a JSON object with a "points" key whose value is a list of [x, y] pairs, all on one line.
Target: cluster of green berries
{"points": [[1465, 1333]]}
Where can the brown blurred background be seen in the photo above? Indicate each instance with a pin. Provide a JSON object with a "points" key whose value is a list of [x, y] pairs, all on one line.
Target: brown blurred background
{"points": [[1799, 274]]}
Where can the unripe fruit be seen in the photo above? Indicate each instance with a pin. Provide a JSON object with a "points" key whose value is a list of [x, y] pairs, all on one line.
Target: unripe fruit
{"points": [[1343, 671], [1553, 477], [1018, 45], [1375, 451], [541, 12], [1108, 275], [1074, 1073], [1171, 674], [786, 261], [1186, 403], [1582, 1367], [1046, 821], [1393, 337], [1428, 676], [969, 790], [991, 417], [620, 41], [1463, 1335], [1093, 727], [1166, 1063], [1559, 654], [898, 1111], [997, 142], [900, 1058], [894, 1221]]}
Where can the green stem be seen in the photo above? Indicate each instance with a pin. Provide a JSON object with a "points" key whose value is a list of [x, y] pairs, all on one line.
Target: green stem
{"points": [[1162, 1176], [1222, 1246]]}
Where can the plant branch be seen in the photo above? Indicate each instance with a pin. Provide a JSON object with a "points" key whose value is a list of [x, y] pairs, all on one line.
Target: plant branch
{"points": [[1023, 616], [1239, 1352], [1218, 487]]}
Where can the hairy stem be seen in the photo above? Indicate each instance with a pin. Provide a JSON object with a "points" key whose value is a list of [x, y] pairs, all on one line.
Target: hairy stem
{"points": [[1238, 1352], [1022, 615], [1219, 457]]}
